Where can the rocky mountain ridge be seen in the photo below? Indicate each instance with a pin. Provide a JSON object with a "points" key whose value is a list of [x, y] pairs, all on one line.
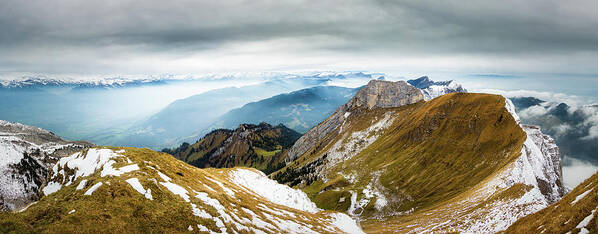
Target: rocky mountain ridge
{"points": [[140, 190], [371, 96], [26, 154], [259, 146], [382, 164]]}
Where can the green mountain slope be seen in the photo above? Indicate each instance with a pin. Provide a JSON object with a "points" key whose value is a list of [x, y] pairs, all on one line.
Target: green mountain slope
{"points": [[134, 190], [401, 164], [575, 213], [258, 146]]}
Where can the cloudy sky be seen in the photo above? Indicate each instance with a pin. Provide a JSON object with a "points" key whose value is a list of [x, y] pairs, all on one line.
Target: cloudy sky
{"points": [[154, 37]]}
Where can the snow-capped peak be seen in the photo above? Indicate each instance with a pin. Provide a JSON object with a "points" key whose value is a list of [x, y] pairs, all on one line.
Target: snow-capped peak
{"points": [[432, 89]]}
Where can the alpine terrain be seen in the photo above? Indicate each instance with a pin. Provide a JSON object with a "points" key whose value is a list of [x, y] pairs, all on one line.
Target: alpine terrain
{"points": [[26, 155], [139, 190], [459, 162], [431, 89], [576, 212], [393, 158], [258, 146]]}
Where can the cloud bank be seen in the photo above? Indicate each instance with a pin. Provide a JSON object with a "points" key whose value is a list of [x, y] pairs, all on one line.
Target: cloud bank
{"points": [[98, 37]]}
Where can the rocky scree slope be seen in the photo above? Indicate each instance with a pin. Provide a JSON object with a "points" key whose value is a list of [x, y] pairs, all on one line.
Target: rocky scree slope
{"points": [[259, 146], [576, 212], [140, 190], [460, 162], [26, 155]]}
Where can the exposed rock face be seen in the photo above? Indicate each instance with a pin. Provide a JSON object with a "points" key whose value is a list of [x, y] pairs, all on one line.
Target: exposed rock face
{"points": [[26, 154], [376, 94], [432, 89], [381, 94], [550, 178]]}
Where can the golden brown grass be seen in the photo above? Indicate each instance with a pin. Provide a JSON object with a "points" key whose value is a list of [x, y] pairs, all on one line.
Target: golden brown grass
{"points": [[117, 207], [562, 216], [433, 153]]}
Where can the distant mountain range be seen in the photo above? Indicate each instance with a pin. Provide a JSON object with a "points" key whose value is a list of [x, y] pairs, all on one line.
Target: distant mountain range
{"points": [[192, 116], [432, 89], [41, 82], [299, 110]]}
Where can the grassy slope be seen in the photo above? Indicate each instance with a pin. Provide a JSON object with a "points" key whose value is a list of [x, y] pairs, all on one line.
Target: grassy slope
{"points": [[562, 216], [432, 153], [117, 207]]}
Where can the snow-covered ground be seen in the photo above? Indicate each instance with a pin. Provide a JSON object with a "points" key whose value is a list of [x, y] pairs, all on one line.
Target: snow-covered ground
{"points": [[279, 208], [29, 149], [277, 193]]}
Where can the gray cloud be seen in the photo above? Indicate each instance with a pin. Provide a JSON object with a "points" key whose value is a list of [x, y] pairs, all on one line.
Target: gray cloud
{"points": [[95, 35]]}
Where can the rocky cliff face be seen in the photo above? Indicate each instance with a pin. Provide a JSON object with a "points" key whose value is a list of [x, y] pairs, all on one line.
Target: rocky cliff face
{"points": [[26, 154], [376, 94], [384, 94], [547, 163], [432, 89]]}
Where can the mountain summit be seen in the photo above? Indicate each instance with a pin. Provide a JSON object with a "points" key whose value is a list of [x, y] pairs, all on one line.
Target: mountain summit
{"points": [[457, 163], [376, 93], [379, 93]]}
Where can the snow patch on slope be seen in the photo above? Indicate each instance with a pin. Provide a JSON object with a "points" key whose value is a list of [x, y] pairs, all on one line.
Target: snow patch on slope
{"points": [[93, 189], [581, 196], [260, 184], [134, 182]]}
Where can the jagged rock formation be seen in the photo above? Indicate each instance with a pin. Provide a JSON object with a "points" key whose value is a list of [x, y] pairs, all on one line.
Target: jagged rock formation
{"points": [[432, 89], [139, 190], [550, 174], [26, 154], [576, 212], [375, 94], [458, 163], [258, 146]]}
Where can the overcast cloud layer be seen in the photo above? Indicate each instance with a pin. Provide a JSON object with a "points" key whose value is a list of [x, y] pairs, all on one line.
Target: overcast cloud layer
{"points": [[141, 37]]}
